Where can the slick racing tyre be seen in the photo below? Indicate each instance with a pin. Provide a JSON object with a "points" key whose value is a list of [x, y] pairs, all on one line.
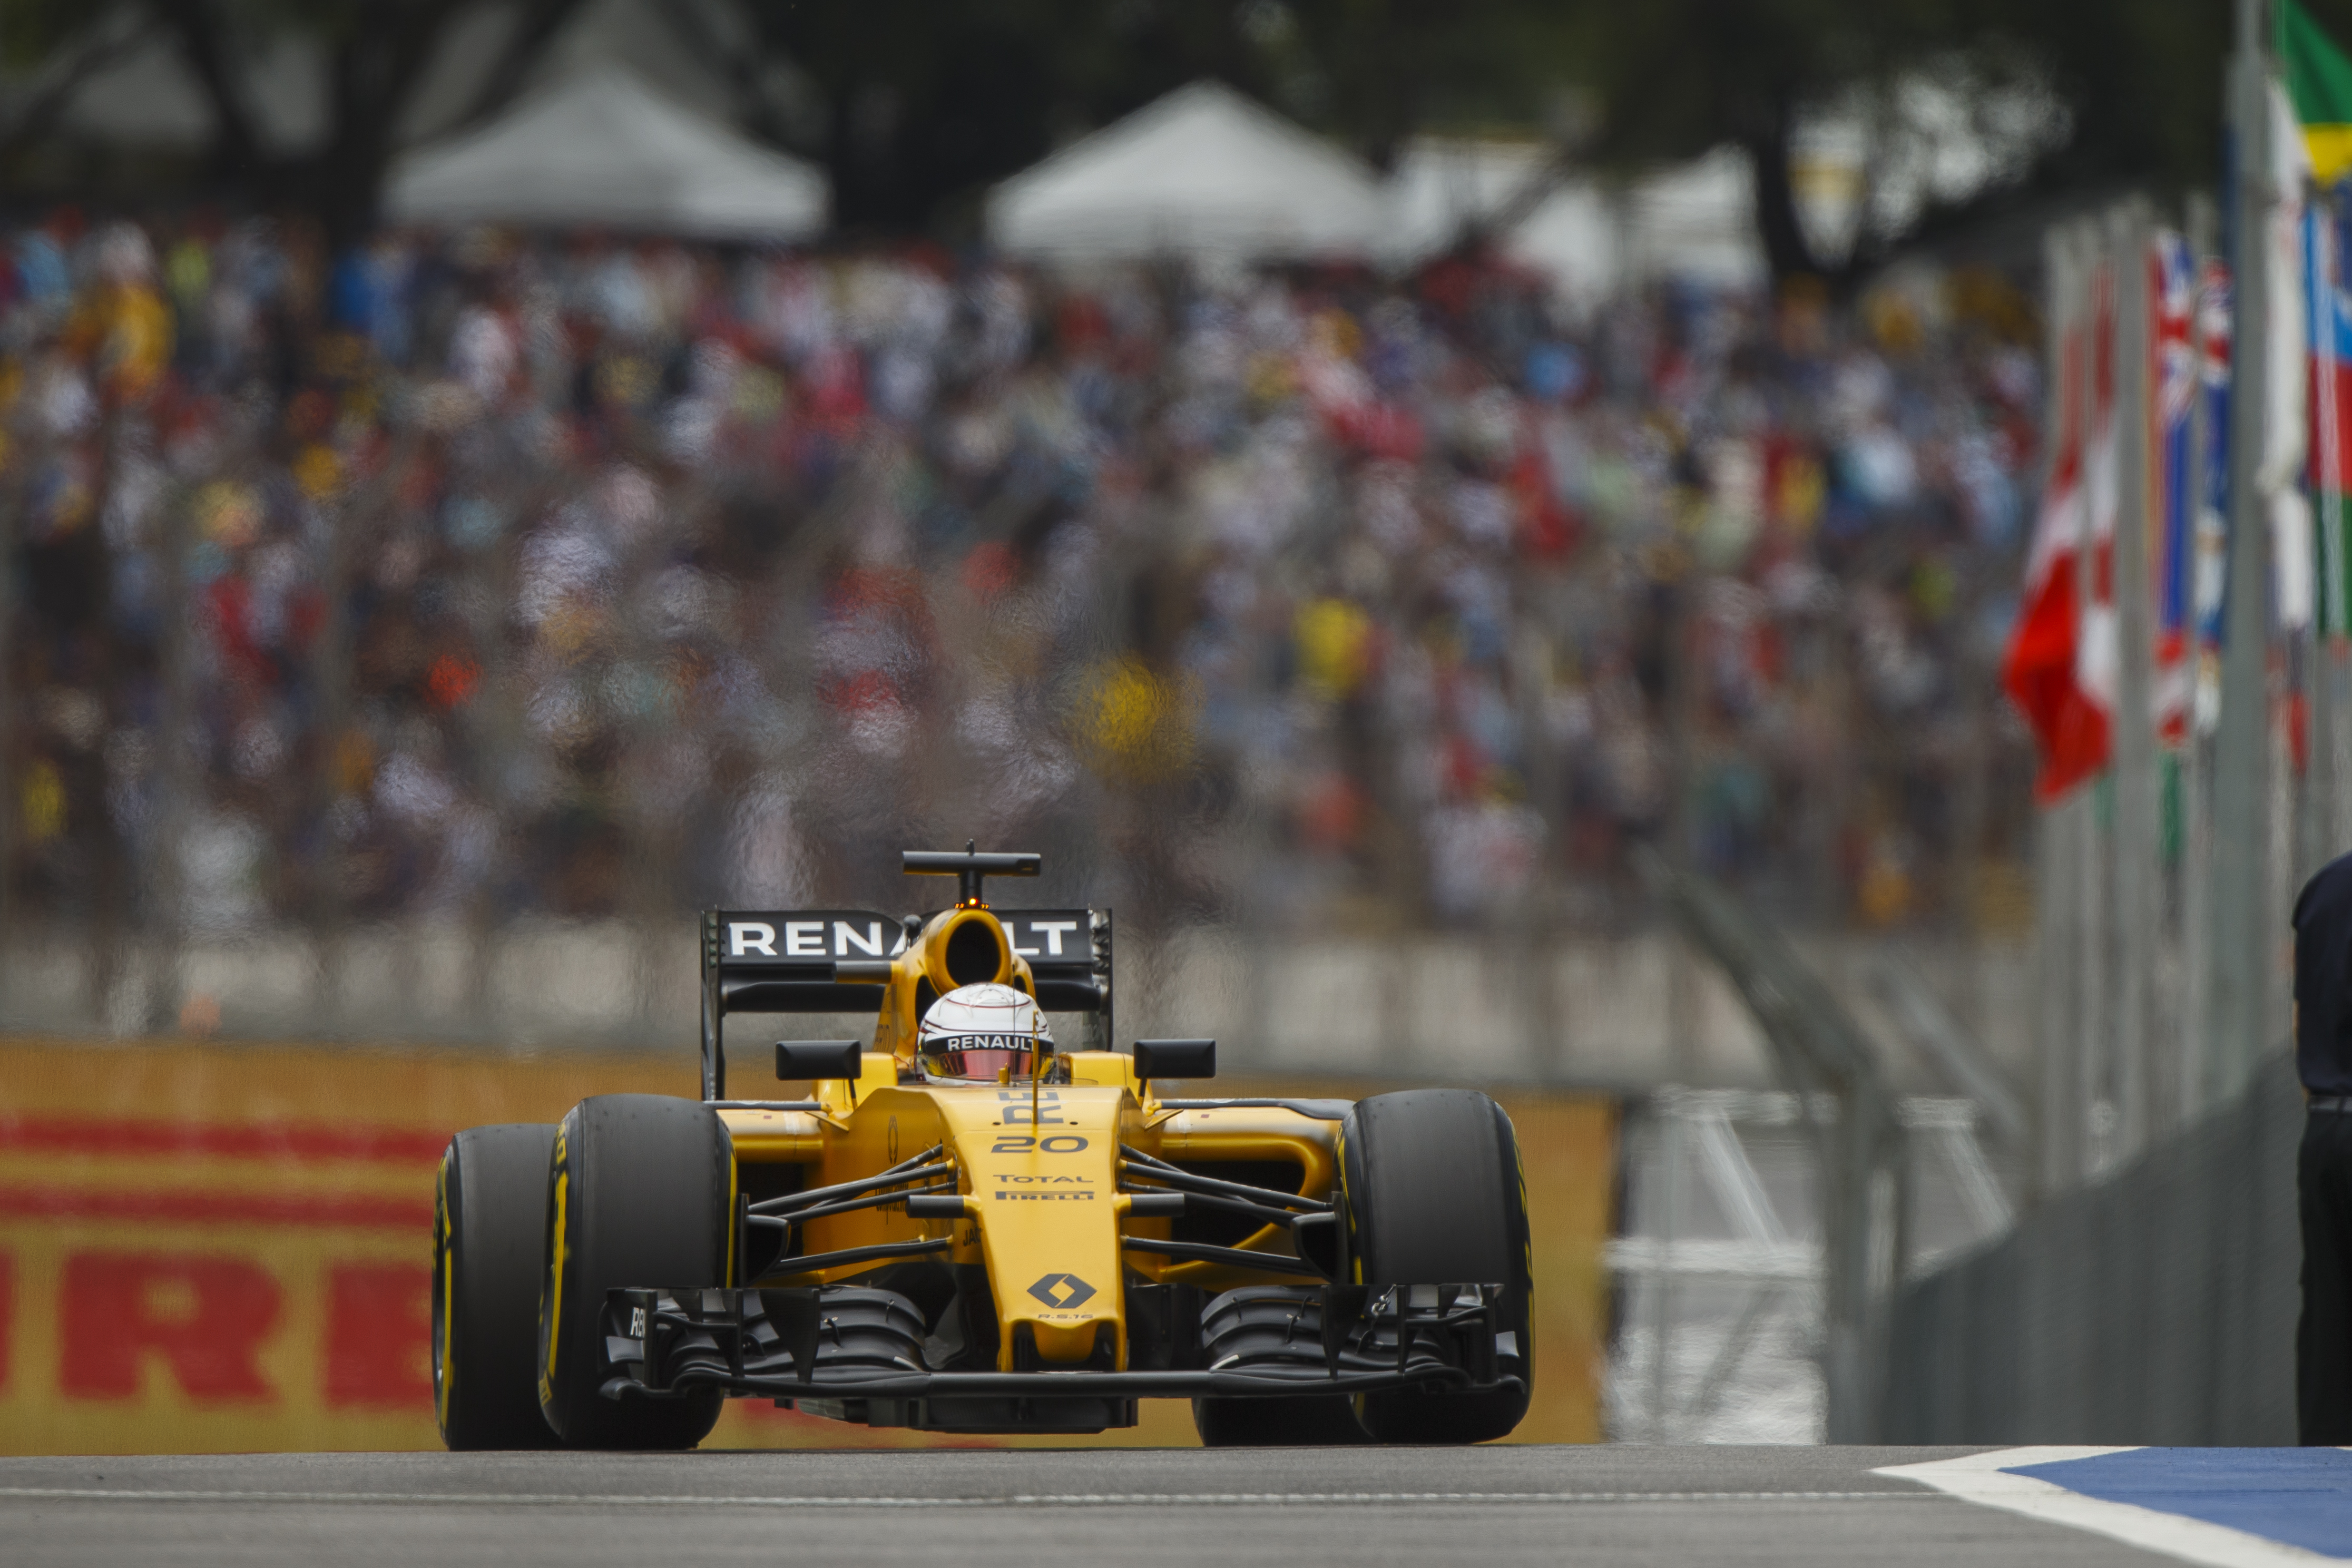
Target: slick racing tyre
{"points": [[490, 1243], [1324, 1421], [1431, 1192], [638, 1195]]}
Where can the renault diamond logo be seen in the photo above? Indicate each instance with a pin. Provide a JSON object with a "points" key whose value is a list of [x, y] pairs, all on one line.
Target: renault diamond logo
{"points": [[1063, 1292]]}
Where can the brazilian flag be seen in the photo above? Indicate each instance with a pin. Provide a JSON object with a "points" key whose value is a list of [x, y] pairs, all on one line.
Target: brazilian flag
{"points": [[2319, 81]]}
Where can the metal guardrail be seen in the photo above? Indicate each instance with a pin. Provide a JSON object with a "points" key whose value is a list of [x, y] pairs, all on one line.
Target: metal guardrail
{"points": [[1722, 1327], [1864, 1172]]}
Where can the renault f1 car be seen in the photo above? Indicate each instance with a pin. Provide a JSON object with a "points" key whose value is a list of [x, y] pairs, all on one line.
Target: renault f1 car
{"points": [[1006, 1239]]}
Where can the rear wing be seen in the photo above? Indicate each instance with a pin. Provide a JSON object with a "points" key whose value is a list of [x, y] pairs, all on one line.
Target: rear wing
{"points": [[782, 961]]}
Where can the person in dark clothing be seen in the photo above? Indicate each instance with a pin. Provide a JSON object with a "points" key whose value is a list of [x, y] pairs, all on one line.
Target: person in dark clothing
{"points": [[2323, 1057]]}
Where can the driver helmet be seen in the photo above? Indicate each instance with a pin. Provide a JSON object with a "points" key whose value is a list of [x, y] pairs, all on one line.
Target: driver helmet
{"points": [[975, 1033]]}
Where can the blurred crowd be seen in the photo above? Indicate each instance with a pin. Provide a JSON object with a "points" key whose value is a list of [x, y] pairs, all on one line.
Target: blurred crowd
{"points": [[479, 577]]}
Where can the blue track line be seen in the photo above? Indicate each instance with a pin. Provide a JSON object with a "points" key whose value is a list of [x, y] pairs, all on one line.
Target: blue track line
{"points": [[2297, 1496]]}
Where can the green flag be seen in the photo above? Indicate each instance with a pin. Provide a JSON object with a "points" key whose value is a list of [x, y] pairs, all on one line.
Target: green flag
{"points": [[2319, 83]]}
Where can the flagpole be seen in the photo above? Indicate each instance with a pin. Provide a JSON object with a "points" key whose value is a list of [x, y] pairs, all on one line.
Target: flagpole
{"points": [[2239, 909], [2136, 839], [2064, 826]]}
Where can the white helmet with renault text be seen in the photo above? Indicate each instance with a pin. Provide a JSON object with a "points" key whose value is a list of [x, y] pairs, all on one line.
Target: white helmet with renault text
{"points": [[983, 1034]]}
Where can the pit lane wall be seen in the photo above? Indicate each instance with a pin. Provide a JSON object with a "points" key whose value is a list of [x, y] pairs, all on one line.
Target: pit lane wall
{"points": [[2155, 1305], [216, 1249]]}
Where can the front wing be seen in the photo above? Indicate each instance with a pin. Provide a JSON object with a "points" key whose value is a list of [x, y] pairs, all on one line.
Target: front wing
{"points": [[840, 1357]]}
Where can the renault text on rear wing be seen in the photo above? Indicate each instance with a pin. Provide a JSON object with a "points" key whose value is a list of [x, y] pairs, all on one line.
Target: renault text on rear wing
{"points": [[783, 961]]}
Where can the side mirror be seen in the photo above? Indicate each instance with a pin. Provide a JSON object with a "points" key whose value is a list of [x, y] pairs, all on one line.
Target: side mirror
{"points": [[1175, 1058], [819, 1058]]}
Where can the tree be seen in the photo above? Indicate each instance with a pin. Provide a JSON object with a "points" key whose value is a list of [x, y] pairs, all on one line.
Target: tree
{"points": [[1681, 77], [916, 107], [58, 47], [376, 56], [920, 104], [924, 103], [2119, 93]]}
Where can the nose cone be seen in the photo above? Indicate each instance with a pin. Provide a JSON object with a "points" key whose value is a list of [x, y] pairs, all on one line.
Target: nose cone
{"points": [[1042, 1192], [1065, 1342]]}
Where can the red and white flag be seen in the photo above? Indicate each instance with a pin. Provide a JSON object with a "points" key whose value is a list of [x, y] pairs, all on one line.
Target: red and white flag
{"points": [[2172, 297], [2061, 666]]}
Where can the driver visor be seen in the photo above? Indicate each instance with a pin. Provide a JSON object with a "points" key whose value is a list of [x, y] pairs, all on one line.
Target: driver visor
{"points": [[980, 1057], [979, 1065]]}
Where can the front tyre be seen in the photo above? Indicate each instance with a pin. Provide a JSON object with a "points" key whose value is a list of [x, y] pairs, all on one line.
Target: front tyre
{"points": [[638, 1193], [490, 1243], [1431, 1188]]}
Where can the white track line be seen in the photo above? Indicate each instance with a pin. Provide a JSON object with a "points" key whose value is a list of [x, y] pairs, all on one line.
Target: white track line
{"points": [[1048, 1500], [1980, 1477]]}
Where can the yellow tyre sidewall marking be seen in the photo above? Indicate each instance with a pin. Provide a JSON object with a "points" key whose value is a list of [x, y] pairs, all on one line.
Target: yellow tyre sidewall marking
{"points": [[1527, 1227], [559, 1255], [734, 1226], [444, 1242]]}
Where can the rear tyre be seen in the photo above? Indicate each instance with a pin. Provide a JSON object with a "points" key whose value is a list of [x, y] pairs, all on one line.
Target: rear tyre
{"points": [[489, 1244], [638, 1193], [1431, 1187], [1326, 1421]]}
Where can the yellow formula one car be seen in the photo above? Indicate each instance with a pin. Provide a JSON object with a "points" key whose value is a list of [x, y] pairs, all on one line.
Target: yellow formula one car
{"points": [[966, 1229]]}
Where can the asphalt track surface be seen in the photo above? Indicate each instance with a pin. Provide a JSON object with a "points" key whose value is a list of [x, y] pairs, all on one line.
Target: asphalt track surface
{"points": [[979, 1509]]}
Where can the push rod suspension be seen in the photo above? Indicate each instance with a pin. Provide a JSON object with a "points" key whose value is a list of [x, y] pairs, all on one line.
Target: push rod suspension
{"points": [[904, 1170], [1141, 1164], [1238, 1257], [1232, 1205], [869, 1201], [816, 1262]]}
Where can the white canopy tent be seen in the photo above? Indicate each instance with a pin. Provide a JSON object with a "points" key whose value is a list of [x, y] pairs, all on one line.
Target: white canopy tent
{"points": [[1203, 173], [1570, 231], [1694, 222], [600, 148]]}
